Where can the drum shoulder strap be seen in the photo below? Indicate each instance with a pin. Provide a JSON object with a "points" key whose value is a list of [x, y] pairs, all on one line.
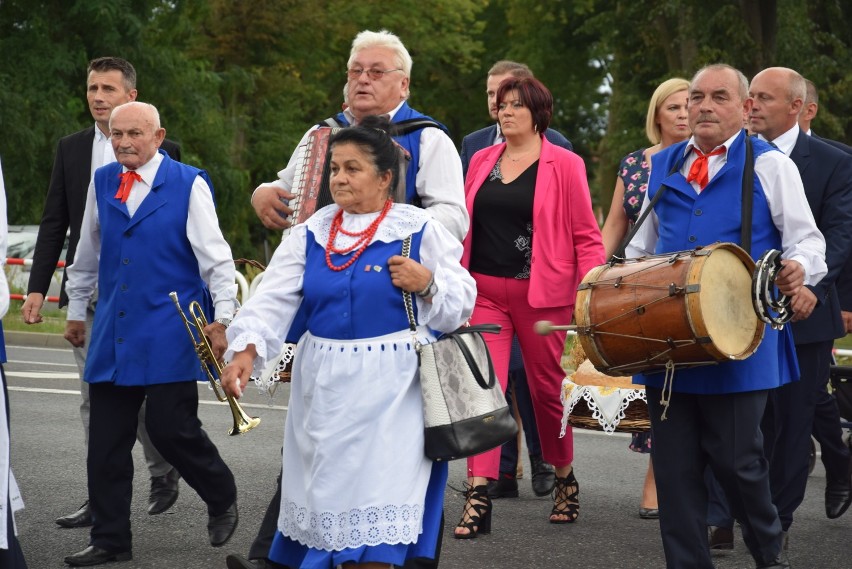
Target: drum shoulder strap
{"points": [[747, 196]]}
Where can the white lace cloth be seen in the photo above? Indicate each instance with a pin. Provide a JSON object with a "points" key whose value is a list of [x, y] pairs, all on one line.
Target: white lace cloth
{"points": [[607, 404]]}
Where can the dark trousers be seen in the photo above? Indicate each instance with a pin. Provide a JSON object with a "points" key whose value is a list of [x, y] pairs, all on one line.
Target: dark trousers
{"points": [[788, 424], [518, 392], [829, 434], [722, 432], [173, 425], [263, 541], [13, 557]]}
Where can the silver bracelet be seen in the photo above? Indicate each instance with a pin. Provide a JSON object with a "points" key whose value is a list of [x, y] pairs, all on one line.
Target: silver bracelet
{"points": [[425, 292]]}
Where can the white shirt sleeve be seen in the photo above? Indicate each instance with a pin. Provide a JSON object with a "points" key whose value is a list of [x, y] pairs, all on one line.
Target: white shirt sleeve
{"points": [[791, 214], [215, 261], [83, 274], [265, 319], [644, 242], [440, 183], [452, 305]]}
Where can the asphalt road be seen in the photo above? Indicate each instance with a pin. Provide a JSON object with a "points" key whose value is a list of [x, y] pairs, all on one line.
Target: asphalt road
{"points": [[48, 460]]}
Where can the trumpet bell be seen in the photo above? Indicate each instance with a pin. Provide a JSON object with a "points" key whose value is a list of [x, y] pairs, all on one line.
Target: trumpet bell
{"points": [[243, 423]]}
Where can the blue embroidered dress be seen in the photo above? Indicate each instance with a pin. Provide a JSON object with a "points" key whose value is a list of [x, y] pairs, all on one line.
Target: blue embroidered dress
{"points": [[357, 487]]}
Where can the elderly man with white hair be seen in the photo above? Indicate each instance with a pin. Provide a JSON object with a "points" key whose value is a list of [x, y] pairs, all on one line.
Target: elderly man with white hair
{"points": [[150, 227]]}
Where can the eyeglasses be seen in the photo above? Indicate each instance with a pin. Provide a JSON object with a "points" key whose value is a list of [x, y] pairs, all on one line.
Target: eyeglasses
{"points": [[374, 74]]}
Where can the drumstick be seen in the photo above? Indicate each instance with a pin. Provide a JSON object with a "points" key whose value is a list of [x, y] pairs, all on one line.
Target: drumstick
{"points": [[545, 327]]}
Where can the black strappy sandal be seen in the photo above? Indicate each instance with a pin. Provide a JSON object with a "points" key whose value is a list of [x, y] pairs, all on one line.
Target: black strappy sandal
{"points": [[476, 518], [566, 499]]}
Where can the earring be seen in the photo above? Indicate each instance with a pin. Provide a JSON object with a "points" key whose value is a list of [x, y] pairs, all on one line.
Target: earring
{"points": [[535, 128]]}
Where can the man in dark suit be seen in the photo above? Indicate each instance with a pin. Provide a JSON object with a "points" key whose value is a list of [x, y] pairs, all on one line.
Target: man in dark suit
{"points": [[483, 138], [518, 391], [835, 455], [826, 172], [111, 81]]}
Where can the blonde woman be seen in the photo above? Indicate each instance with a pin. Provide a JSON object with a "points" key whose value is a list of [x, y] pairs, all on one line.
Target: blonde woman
{"points": [[666, 124]]}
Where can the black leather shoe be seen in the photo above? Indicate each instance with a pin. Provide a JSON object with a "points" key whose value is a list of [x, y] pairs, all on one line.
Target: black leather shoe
{"points": [[779, 562], [838, 497], [80, 519], [220, 528], [720, 538], [94, 555], [234, 561], [503, 488], [649, 513], [543, 476], [164, 492]]}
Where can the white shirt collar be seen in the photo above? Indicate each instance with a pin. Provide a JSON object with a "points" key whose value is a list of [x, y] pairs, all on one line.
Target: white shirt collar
{"points": [[786, 141], [148, 171], [727, 144], [352, 120], [100, 137]]}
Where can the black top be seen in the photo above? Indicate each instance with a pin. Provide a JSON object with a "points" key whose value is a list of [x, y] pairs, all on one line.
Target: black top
{"points": [[502, 225]]}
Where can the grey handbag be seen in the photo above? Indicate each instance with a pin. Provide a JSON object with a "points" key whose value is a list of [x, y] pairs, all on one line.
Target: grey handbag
{"points": [[464, 408]]}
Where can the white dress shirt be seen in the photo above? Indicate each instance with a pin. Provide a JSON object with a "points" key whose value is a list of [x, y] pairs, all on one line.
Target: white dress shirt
{"points": [[102, 151], [213, 253], [439, 182], [800, 239]]}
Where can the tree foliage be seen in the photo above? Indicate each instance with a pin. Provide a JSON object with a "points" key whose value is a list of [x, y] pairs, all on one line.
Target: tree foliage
{"points": [[237, 83]]}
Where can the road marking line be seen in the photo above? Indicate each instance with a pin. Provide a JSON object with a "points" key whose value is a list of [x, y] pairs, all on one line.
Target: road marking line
{"points": [[77, 393], [43, 374], [39, 363]]}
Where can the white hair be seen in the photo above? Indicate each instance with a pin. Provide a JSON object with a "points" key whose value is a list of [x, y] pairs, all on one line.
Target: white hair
{"points": [[386, 40], [149, 109]]}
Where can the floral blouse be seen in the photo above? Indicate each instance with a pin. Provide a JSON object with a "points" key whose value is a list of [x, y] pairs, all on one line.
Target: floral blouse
{"points": [[634, 172]]}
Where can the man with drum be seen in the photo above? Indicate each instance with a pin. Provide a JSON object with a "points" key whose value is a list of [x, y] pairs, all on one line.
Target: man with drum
{"points": [[712, 413], [378, 72]]}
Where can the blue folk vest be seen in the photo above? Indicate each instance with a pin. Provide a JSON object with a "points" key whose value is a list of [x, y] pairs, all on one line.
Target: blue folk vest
{"points": [[688, 220], [357, 302], [138, 337], [410, 142]]}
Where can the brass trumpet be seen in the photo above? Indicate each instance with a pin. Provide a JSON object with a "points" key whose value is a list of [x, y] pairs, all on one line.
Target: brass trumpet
{"points": [[211, 366]]}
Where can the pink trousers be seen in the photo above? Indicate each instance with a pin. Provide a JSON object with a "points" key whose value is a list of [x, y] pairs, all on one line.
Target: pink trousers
{"points": [[503, 301]]}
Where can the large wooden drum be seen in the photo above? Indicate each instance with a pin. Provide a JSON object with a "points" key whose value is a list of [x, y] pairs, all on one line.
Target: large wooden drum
{"points": [[686, 308]]}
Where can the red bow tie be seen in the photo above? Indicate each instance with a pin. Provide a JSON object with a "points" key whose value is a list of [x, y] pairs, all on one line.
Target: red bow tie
{"points": [[698, 172], [127, 179]]}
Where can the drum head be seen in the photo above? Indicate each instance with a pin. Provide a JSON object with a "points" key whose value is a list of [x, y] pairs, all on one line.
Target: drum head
{"points": [[726, 306]]}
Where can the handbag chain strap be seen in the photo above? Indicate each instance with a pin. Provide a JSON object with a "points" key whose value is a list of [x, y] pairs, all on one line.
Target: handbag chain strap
{"points": [[407, 299]]}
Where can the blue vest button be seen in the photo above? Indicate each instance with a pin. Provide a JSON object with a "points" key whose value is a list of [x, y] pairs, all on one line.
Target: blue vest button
{"points": [[698, 212], [692, 239]]}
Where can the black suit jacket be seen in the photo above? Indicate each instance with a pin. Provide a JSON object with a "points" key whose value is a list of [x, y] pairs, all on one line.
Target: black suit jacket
{"points": [[844, 280], [64, 206], [827, 176]]}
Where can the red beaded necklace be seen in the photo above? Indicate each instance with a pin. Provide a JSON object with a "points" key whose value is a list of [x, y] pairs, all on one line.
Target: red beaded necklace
{"points": [[365, 237]]}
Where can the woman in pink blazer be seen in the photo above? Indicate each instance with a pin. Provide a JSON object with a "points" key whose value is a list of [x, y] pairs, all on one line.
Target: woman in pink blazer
{"points": [[533, 237]]}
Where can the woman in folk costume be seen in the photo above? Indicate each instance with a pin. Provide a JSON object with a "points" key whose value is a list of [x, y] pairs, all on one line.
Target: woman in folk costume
{"points": [[358, 490], [11, 556]]}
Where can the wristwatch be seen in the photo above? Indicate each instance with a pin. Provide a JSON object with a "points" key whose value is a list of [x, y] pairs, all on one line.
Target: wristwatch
{"points": [[223, 321], [430, 290]]}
